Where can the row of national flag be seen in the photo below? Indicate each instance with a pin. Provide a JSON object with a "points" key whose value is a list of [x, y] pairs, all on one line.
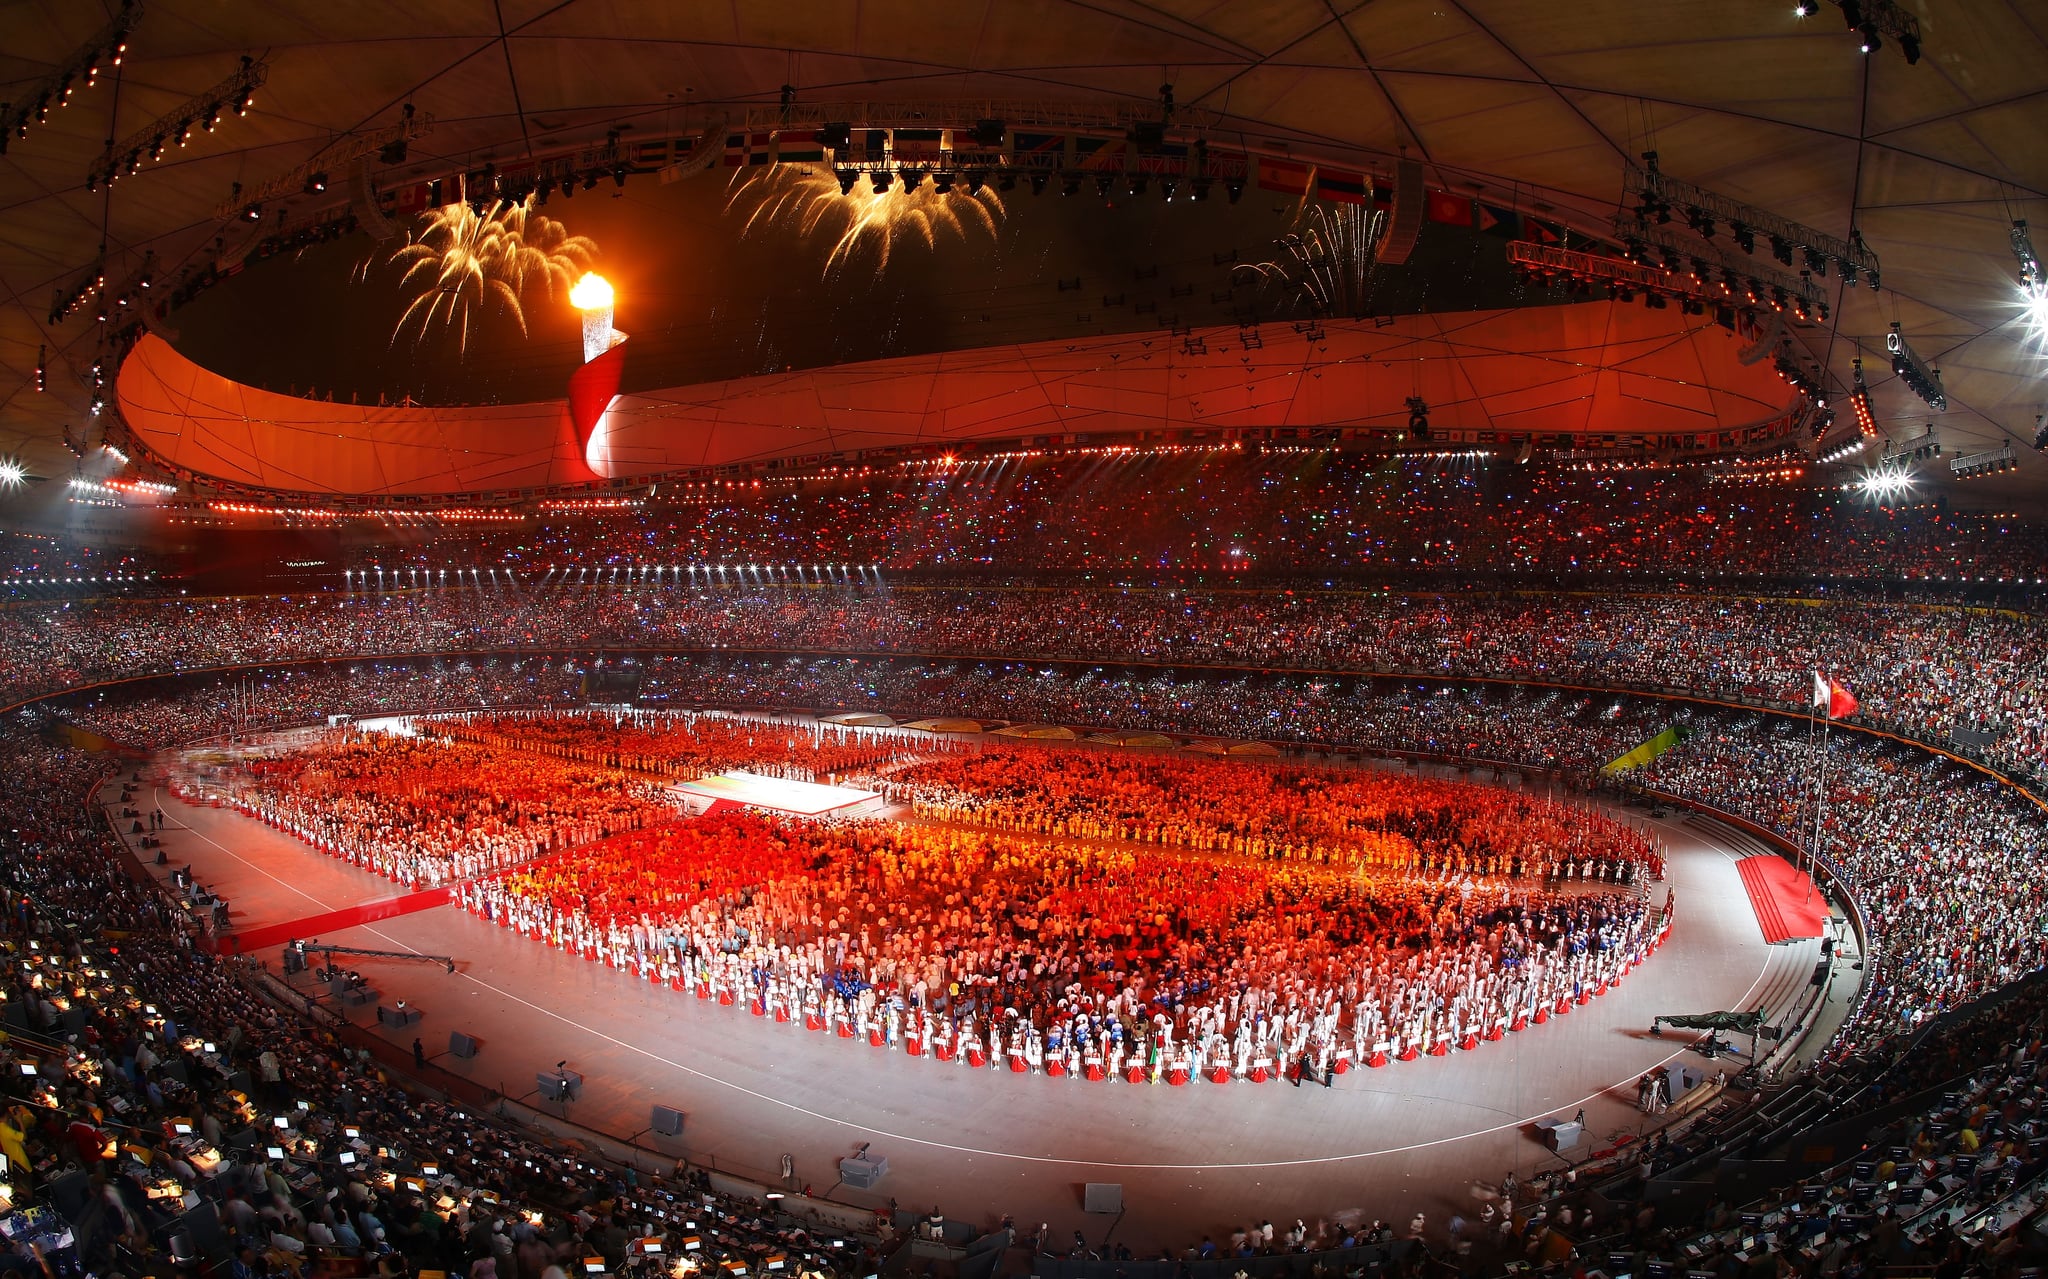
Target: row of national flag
{"points": [[1335, 186]]}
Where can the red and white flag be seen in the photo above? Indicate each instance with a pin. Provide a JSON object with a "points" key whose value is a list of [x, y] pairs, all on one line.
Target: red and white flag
{"points": [[1831, 697]]}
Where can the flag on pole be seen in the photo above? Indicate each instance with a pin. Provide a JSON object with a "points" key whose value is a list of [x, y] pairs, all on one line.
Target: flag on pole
{"points": [[1829, 696]]}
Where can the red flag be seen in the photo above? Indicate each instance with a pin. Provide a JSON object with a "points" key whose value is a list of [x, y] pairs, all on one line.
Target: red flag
{"points": [[1841, 702], [1829, 695], [1453, 209], [1283, 175]]}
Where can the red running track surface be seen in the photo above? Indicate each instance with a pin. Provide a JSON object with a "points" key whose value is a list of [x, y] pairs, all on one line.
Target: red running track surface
{"points": [[1788, 905]]}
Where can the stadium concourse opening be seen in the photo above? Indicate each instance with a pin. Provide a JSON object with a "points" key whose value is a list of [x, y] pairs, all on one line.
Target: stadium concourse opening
{"points": [[1097, 641]]}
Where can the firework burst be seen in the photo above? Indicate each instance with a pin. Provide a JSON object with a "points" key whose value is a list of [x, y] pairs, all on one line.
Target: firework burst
{"points": [[1326, 260], [461, 259], [865, 224]]}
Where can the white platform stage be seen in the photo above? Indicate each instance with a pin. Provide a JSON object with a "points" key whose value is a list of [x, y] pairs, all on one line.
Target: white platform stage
{"points": [[802, 799]]}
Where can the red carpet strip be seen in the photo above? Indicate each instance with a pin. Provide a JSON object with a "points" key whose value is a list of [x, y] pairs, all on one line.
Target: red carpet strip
{"points": [[1789, 907], [245, 940]]}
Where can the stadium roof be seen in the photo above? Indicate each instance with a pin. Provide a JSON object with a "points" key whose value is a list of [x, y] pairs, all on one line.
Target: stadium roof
{"points": [[1532, 106]]}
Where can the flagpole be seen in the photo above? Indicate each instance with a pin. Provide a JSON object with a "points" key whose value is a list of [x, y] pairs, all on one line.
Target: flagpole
{"points": [[1815, 797], [1820, 804]]}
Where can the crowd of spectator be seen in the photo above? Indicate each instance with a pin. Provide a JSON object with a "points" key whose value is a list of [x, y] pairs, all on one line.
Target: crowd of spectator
{"points": [[1275, 509], [1973, 677], [1961, 934]]}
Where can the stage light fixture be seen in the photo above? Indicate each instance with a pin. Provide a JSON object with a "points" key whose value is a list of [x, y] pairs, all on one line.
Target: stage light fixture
{"points": [[1233, 187], [881, 180], [1102, 185], [912, 176], [42, 368], [316, 184], [1038, 181], [942, 182], [1070, 183], [1871, 42], [1805, 8], [253, 213], [847, 177], [2033, 280], [1907, 366]]}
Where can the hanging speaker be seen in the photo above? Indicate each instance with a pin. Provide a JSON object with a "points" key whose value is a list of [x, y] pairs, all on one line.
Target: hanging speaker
{"points": [[667, 1122], [1406, 223]]}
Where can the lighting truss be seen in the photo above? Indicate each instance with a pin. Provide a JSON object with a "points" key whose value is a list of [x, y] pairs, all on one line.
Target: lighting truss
{"points": [[332, 158], [2032, 279], [202, 110], [1925, 382], [1859, 400], [1876, 20], [1616, 273], [1920, 447], [1742, 280], [68, 300], [1970, 466], [1048, 113], [1708, 211], [1810, 382], [105, 49], [1840, 451]]}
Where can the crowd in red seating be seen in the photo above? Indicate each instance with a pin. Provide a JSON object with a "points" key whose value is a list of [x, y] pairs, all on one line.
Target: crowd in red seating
{"points": [[1271, 510]]}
